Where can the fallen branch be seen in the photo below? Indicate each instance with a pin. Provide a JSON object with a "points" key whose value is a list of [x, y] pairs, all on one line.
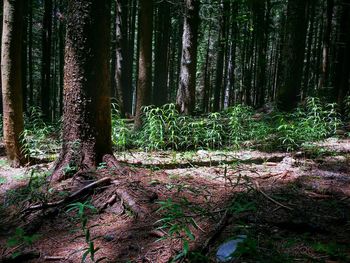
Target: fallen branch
{"points": [[257, 187], [216, 232], [73, 196], [54, 258]]}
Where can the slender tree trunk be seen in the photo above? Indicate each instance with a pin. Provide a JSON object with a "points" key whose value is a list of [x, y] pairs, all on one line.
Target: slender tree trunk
{"points": [[187, 87], [144, 83], [24, 55], [219, 85], [326, 44], [11, 77], [30, 54], [61, 37], [46, 60], [87, 108], [206, 81], [306, 82]]}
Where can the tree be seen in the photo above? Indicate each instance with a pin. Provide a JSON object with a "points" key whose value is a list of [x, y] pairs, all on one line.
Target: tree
{"points": [[161, 60], [87, 109], [292, 55], [11, 77], [46, 59], [144, 83], [187, 87]]}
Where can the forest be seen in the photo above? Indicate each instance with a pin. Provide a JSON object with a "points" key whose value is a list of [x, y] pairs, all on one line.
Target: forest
{"points": [[175, 131]]}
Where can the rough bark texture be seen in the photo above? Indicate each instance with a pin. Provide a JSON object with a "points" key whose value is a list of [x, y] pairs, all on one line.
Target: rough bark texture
{"points": [[87, 112], [11, 71], [293, 55], [144, 83], [187, 86]]}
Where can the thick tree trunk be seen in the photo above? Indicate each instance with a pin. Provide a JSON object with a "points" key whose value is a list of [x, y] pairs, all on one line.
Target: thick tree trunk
{"points": [[161, 67], [187, 86], [87, 109], [293, 55], [46, 60], [342, 74], [144, 82], [11, 77]]}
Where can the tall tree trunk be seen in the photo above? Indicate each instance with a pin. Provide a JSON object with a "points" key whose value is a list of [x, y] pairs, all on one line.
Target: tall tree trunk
{"points": [[161, 66], [46, 60], [343, 55], [206, 78], [61, 37], [293, 55], [262, 16], [30, 54], [24, 55], [326, 41], [144, 82], [310, 38], [219, 84], [187, 86], [11, 77], [87, 109]]}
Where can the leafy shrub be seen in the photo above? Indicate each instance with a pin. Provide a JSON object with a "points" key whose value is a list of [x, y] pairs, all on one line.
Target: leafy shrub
{"points": [[121, 135], [239, 126], [39, 138], [314, 122]]}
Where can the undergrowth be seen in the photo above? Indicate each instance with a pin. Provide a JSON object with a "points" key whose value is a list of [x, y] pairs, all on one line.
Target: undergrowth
{"points": [[237, 127], [165, 129]]}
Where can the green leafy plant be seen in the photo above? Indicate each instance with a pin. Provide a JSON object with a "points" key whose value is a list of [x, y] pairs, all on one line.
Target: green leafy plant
{"points": [[39, 138], [81, 209], [35, 191], [178, 223], [314, 122], [121, 135], [20, 239]]}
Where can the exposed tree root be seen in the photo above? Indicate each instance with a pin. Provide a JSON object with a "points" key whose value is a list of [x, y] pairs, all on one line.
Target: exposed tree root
{"points": [[70, 198]]}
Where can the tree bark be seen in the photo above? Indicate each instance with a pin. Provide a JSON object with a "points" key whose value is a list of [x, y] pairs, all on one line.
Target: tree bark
{"points": [[144, 82], [161, 67], [187, 87], [87, 110], [11, 77], [293, 55]]}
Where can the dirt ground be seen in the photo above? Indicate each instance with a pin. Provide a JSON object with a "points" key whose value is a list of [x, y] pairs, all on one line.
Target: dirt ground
{"points": [[293, 207]]}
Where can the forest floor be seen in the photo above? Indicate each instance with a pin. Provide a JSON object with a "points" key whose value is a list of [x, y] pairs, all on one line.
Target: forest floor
{"points": [[292, 207]]}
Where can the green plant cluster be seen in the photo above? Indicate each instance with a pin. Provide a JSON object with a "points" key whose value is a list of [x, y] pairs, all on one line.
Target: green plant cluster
{"points": [[38, 137], [237, 127], [81, 210]]}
